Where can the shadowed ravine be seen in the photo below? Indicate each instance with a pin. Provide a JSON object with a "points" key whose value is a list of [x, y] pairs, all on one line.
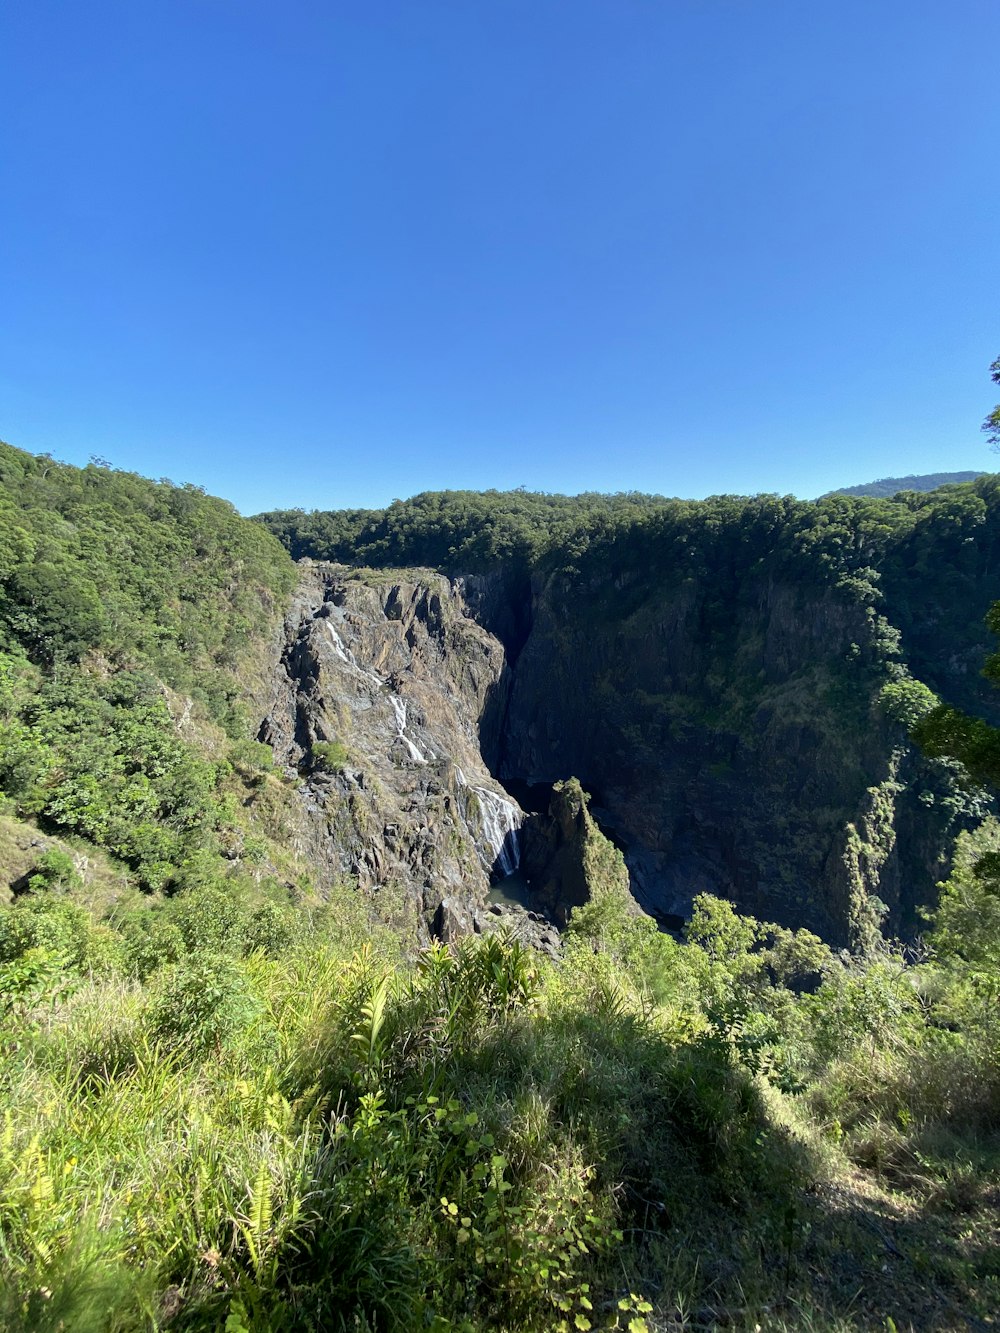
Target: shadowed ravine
{"points": [[747, 759]]}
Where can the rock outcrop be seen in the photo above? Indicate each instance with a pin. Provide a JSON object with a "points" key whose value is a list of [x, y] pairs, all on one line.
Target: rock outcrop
{"points": [[567, 859], [385, 694], [731, 747]]}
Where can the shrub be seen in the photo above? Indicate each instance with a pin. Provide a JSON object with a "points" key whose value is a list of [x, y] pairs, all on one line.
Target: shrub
{"points": [[906, 701], [201, 1002], [150, 940], [329, 756], [53, 868], [41, 921], [212, 919]]}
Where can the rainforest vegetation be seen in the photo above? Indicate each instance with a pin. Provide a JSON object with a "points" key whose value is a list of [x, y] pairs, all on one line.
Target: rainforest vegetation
{"points": [[924, 565], [838, 536], [229, 1101]]}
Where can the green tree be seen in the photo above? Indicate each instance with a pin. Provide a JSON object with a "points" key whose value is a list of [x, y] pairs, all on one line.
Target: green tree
{"points": [[948, 732], [992, 423]]}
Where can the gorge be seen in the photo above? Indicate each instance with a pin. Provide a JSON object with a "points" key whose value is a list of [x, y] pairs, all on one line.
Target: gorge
{"points": [[720, 682]]}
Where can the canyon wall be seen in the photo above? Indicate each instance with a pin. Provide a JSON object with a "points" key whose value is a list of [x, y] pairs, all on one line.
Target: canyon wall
{"points": [[730, 746]]}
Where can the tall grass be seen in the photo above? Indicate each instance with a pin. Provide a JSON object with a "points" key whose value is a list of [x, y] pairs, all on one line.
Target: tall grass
{"points": [[638, 1136]]}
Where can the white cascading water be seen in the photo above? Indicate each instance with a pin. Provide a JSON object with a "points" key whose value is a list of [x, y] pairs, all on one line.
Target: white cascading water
{"points": [[348, 657], [399, 712], [380, 686], [501, 822], [338, 646], [500, 816]]}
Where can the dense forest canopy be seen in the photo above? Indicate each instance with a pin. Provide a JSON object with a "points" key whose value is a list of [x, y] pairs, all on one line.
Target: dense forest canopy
{"points": [[119, 595], [98, 559], [921, 559], [465, 531]]}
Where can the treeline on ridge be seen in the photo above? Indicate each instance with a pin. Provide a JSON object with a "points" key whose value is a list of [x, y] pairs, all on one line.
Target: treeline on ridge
{"points": [[923, 561], [469, 531]]}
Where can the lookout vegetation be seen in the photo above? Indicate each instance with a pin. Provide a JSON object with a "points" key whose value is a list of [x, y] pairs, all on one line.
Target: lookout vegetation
{"points": [[232, 1101]]}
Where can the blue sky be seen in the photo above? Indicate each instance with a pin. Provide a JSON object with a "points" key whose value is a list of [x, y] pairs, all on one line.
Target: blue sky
{"points": [[320, 253]]}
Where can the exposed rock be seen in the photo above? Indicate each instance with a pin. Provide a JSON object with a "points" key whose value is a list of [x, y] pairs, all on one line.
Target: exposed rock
{"points": [[22, 846], [384, 690], [451, 921], [566, 857], [528, 928], [731, 742], [730, 738]]}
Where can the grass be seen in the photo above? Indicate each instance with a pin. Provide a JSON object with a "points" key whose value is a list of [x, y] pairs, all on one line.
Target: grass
{"points": [[332, 1137]]}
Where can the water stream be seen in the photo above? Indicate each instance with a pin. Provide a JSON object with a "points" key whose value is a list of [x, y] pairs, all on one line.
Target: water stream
{"points": [[499, 843], [380, 687]]}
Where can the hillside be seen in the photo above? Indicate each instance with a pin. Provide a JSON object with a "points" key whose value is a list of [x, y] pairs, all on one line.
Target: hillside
{"points": [[136, 626], [889, 486], [284, 1047]]}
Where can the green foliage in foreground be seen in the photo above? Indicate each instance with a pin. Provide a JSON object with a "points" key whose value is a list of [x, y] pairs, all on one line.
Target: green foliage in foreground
{"points": [[246, 1114]]}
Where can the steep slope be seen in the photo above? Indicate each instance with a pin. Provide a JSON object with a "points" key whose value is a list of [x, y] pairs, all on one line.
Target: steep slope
{"points": [[136, 620], [752, 761], [717, 675], [725, 679], [386, 694], [888, 486]]}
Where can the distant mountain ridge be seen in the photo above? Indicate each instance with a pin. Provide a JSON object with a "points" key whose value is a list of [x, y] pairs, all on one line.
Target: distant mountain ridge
{"points": [[886, 486]]}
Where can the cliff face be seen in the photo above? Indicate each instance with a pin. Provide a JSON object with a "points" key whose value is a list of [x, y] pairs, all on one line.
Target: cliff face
{"points": [[386, 692], [732, 744], [737, 750]]}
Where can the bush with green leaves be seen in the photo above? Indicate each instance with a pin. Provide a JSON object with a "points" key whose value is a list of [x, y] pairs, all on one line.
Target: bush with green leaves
{"points": [[906, 701], [329, 756], [477, 1139], [201, 1002], [53, 868], [115, 594], [45, 921]]}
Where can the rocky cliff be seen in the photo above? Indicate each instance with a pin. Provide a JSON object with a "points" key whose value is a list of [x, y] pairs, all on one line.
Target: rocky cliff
{"points": [[714, 674], [732, 747], [732, 756], [386, 693]]}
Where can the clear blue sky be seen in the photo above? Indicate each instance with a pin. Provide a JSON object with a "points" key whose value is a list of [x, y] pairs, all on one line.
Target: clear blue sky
{"points": [[323, 253]]}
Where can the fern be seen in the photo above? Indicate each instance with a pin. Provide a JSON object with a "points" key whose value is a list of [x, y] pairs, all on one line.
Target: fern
{"points": [[256, 1226]]}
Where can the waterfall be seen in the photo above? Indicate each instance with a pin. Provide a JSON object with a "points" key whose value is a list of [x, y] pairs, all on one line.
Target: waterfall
{"points": [[350, 660], [399, 712], [379, 686], [501, 823], [498, 843], [338, 646]]}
